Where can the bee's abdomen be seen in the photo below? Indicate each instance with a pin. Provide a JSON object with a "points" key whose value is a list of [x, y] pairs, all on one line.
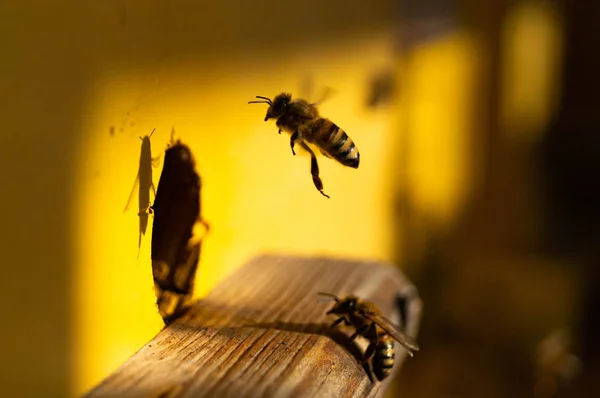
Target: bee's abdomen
{"points": [[383, 361], [338, 144]]}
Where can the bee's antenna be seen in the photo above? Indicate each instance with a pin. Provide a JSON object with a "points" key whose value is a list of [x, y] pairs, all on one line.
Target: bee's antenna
{"points": [[265, 98], [330, 297], [152, 132], [324, 300]]}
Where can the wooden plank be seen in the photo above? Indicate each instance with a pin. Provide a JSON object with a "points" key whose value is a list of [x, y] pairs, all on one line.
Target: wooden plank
{"points": [[262, 333]]}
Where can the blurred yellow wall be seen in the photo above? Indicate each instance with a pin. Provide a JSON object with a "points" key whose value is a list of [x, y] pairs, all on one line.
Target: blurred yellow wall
{"points": [[438, 107], [531, 53]]}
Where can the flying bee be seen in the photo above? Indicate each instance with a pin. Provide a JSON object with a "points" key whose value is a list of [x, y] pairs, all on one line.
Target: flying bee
{"points": [[382, 89], [366, 318], [175, 242], [301, 119]]}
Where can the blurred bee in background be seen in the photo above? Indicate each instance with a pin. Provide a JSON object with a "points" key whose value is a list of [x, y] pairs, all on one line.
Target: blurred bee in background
{"points": [[143, 179], [381, 89], [366, 318], [175, 245], [301, 119]]}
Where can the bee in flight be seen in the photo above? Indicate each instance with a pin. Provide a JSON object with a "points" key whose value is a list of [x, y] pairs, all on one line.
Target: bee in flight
{"points": [[301, 119], [366, 318]]}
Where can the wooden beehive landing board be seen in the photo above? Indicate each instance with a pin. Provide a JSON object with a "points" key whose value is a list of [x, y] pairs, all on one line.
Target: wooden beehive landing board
{"points": [[262, 333]]}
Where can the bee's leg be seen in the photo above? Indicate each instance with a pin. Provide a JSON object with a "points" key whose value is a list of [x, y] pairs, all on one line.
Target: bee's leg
{"points": [[314, 169], [293, 141], [279, 131], [155, 161], [338, 321], [359, 332], [371, 334], [369, 352]]}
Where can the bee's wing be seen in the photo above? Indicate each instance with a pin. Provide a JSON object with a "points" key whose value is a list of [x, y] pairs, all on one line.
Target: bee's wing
{"points": [[328, 93], [394, 330], [306, 86], [302, 109], [135, 185]]}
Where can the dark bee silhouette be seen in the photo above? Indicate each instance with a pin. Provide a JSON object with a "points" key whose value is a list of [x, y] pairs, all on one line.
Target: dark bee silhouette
{"points": [[175, 249], [301, 119], [365, 317], [143, 179], [381, 89]]}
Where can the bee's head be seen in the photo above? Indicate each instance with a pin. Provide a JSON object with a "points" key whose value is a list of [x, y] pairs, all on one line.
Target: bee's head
{"points": [[277, 107], [342, 306], [179, 155], [146, 145]]}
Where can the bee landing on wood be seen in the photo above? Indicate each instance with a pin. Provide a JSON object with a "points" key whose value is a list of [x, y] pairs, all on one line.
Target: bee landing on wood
{"points": [[365, 317], [175, 247], [301, 119]]}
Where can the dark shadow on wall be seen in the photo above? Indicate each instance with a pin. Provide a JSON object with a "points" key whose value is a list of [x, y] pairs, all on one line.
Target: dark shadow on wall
{"points": [[144, 184]]}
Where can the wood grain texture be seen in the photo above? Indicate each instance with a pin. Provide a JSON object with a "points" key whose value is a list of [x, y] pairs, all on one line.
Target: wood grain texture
{"points": [[262, 333]]}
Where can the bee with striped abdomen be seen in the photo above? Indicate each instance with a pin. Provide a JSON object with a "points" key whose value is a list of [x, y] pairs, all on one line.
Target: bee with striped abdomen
{"points": [[301, 119], [368, 321]]}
